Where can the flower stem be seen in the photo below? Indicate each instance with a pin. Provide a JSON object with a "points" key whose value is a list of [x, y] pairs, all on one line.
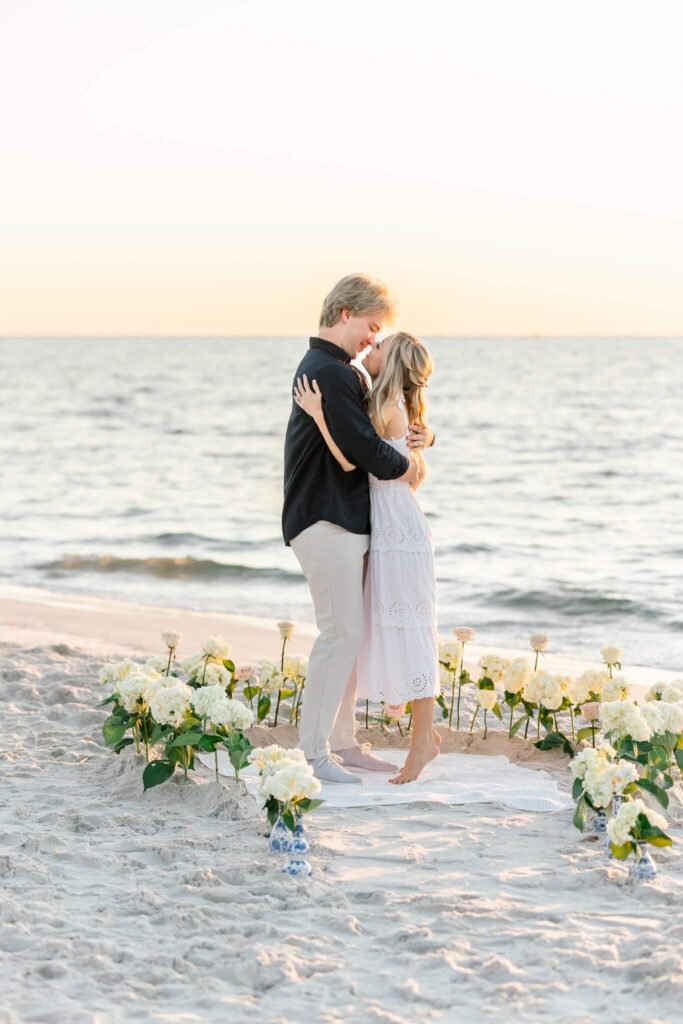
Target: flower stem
{"points": [[571, 715], [137, 738], [457, 711], [538, 724], [170, 656], [450, 717], [485, 729], [367, 709], [215, 754], [593, 733], [474, 716], [510, 729], [536, 662], [277, 706]]}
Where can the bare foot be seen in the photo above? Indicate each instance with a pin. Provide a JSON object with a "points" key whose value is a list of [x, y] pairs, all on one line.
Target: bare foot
{"points": [[415, 762], [438, 738]]}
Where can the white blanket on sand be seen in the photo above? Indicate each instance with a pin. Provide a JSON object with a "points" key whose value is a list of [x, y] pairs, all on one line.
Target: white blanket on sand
{"points": [[450, 779]]}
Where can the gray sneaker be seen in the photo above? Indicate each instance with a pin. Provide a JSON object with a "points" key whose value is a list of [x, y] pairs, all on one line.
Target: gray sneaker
{"points": [[362, 757], [327, 770]]}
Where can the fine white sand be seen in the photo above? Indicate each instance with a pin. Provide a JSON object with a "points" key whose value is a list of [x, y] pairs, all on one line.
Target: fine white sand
{"points": [[119, 906]]}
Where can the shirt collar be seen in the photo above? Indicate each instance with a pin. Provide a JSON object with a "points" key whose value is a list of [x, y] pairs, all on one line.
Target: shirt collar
{"points": [[330, 348]]}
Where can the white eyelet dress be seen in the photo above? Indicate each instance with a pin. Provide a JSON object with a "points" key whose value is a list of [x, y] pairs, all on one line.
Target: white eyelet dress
{"points": [[398, 659]]}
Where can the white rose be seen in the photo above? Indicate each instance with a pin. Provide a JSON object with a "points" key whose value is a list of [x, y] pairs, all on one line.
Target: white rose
{"points": [[464, 634], [216, 647], [450, 652], [611, 655], [172, 640], [538, 641], [487, 698], [286, 629], [445, 681], [591, 711], [245, 672], [516, 675], [494, 667]]}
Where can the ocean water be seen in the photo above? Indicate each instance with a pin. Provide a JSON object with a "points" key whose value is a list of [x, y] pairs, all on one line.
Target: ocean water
{"points": [[151, 470]]}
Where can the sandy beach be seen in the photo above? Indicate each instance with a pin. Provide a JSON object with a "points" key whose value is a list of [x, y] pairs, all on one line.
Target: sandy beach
{"points": [[166, 906]]}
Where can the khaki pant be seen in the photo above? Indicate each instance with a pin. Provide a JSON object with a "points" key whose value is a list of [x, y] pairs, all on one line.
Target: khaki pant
{"points": [[333, 562]]}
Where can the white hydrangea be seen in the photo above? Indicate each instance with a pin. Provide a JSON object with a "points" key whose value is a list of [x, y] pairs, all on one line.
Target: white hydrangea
{"points": [[132, 693], [170, 704], [606, 778], [673, 693], [586, 760], [114, 671], [231, 714], [494, 666], [663, 716], [620, 718], [590, 681], [266, 670], [191, 666], [487, 698], [275, 683], [615, 689], [214, 674], [205, 699], [290, 782], [543, 689], [579, 690], [216, 647], [269, 759], [156, 683], [158, 663], [516, 675], [620, 828]]}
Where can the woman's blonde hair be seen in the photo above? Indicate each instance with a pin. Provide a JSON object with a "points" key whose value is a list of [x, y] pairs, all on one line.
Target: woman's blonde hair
{"points": [[359, 294], [406, 370]]}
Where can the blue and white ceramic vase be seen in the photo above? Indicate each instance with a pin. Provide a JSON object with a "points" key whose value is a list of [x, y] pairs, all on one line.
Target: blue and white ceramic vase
{"points": [[600, 824], [280, 838], [643, 868], [300, 844]]}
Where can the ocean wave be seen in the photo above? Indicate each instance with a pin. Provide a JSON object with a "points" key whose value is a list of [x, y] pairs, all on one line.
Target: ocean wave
{"points": [[572, 601], [165, 568]]}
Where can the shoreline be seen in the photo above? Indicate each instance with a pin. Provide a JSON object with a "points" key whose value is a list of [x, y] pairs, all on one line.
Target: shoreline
{"points": [[32, 616]]}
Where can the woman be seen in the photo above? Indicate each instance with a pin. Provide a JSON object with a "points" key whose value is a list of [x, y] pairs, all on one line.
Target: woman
{"points": [[398, 660]]}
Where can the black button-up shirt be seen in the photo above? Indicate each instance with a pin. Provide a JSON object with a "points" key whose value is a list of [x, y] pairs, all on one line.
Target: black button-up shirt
{"points": [[316, 487]]}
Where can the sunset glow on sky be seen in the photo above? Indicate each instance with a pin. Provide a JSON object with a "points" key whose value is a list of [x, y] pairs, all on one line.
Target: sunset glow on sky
{"points": [[212, 168]]}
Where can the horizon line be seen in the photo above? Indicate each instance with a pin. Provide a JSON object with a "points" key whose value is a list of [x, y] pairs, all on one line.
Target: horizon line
{"points": [[229, 337]]}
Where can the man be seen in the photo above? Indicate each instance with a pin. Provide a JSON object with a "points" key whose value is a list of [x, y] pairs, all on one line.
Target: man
{"points": [[326, 518]]}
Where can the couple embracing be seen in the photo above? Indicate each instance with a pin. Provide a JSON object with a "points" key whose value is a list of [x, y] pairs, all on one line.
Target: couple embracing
{"points": [[353, 464]]}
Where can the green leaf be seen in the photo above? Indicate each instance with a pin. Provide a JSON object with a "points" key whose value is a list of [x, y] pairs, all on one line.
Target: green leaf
{"points": [[209, 742], [580, 813], [577, 788], [584, 734], [661, 840], [486, 684], [497, 712], [114, 733], [622, 852], [230, 665], [656, 791], [250, 691], [110, 700], [158, 733], [157, 772], [289, 821], [127, 742], [518, 725], [185, 739], [307, 805], [678, 754], [659, 758], [555, 739], [263, 707]]}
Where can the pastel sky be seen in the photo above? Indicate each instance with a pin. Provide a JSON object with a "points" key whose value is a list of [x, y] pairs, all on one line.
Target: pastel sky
{"points": [[212, 167]]}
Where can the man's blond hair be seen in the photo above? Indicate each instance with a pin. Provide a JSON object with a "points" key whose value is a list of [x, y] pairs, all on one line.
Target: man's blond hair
{"points": [[359, 294]]}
